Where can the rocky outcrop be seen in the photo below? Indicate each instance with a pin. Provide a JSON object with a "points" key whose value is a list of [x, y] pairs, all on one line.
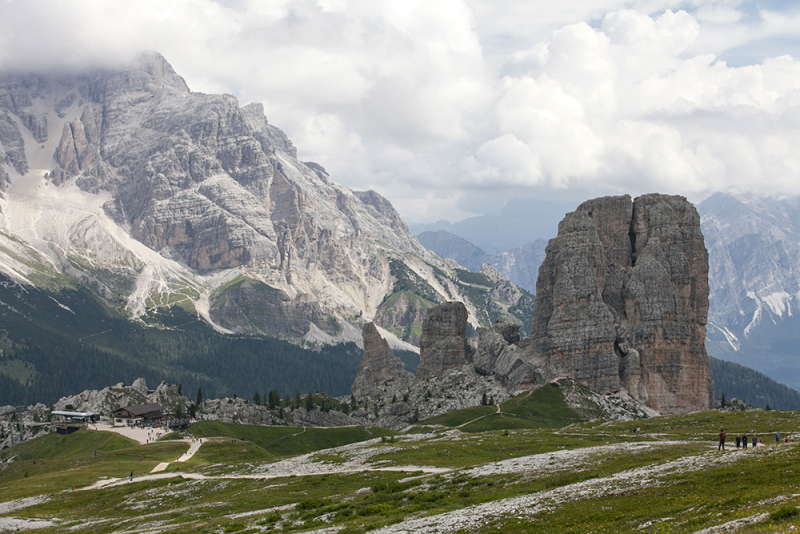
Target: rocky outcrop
{"points": [[501, 354], [108, 399], [622, 301], [381, 374], [443, 344]]}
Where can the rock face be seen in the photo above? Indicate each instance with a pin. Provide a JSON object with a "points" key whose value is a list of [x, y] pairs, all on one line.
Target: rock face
{"points": [[443, 344], [521, 264], [381, 373], [622, 302]]}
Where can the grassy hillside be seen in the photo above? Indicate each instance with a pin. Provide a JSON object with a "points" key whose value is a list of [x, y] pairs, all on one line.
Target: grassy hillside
{"points": [[543, 407], [585, 477], [54, 463]]}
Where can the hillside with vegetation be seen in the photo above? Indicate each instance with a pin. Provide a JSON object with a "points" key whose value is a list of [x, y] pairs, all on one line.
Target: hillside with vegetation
{"points": [[756, 389], [538, 466]]}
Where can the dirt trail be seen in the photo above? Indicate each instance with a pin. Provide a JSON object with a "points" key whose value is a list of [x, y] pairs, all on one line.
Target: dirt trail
{"points": [[284, 437], [193, 448]]}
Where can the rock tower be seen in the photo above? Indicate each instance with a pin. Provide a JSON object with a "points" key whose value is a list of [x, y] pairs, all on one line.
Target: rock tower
{"points": [[622, 302], [381, 372]]}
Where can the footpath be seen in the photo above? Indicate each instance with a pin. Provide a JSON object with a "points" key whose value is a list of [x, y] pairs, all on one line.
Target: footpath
{"points": [[193, 448]]}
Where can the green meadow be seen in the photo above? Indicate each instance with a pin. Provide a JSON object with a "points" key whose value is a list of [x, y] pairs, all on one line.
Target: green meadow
{"points": [[533, 467]]}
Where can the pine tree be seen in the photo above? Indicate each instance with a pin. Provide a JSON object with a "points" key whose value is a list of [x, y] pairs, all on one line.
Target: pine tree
{"points": [[310, 402], [484, 399], [256, 398], [353, 403]]}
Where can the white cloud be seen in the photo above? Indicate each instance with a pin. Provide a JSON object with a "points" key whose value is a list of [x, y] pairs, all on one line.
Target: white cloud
{"points": [[448, 106]]}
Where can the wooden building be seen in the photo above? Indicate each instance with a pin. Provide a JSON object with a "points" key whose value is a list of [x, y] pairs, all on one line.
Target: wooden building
{"points": [[138, 415]]}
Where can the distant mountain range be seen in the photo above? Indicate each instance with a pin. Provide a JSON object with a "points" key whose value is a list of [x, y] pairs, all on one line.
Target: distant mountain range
{"points": [[522, 221], [754, 308], [519, 264]]}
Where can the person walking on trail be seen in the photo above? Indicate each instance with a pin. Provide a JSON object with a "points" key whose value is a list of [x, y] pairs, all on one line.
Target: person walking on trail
{"points": [[777, 437], [738, 440], [755, 440], [744, 440], [722, 435], [131, 476]]}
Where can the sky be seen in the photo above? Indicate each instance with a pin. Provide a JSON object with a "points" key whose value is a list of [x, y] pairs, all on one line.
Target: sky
{"points": [[450, 108]]}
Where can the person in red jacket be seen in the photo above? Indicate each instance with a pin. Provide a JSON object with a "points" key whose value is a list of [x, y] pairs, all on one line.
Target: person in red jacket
{"points": [[722, 436]]}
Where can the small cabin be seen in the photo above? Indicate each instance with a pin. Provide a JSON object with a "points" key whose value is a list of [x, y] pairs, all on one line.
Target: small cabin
{"points": [[138, 415]]}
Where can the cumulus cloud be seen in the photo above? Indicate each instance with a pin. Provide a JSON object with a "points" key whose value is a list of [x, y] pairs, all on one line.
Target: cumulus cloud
{"points": [[452, 107], [622, 105]]}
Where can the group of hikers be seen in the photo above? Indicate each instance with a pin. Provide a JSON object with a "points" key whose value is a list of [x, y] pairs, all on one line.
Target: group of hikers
{"points": [[742, 440]]}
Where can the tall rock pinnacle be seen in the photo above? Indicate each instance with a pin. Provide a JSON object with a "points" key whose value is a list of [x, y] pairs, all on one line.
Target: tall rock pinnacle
{"points": [[381, 373], [622, 301]]}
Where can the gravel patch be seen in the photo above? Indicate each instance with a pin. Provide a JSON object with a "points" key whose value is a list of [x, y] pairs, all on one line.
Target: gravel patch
{"points": [[474, 517], [14, 524], [736, 524], [18, 504]]}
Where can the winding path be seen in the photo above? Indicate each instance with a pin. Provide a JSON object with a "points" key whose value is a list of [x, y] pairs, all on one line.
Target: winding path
{"points": [[193, 448]]}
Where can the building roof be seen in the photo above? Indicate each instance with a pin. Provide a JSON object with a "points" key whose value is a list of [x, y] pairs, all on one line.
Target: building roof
{"points": [[65, 413], [143, 409]]}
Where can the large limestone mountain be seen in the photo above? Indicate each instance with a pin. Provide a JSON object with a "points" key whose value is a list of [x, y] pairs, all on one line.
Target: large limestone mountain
{"points": [[127, 182], [754, 253]]}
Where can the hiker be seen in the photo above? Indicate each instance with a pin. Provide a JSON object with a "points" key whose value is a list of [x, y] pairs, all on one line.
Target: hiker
{"points": [[131, 476], [777, 437], [738, 440], [755, 440], [721, 440], [744, 440]]}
